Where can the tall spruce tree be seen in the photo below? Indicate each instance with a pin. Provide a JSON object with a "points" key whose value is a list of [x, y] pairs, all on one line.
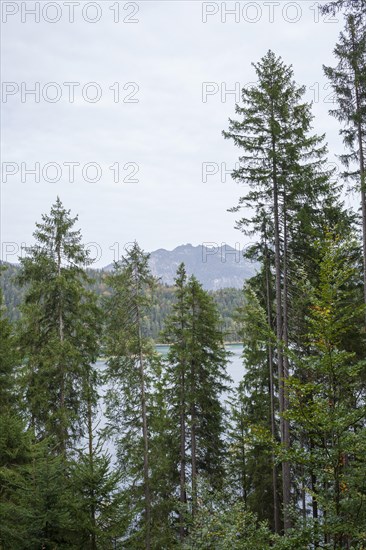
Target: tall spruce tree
{"points": [[282, 163], [59, 329], [8, 360], [97, 494], [14, 442], [130, 364], [348, 80], [252, 436], [196, 379], [176, 331], [35, 497], [328, 404], [348, 6], [163, 453]]}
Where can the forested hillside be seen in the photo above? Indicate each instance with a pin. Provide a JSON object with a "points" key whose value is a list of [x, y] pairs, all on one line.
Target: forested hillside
{"points": [[142, 450], [228, 300]]}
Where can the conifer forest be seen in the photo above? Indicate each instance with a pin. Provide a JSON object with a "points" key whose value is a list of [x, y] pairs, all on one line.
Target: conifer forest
{"points": [[106, 443]]}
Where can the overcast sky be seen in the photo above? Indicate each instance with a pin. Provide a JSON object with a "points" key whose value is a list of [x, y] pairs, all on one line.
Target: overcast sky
{"points": [[151, 120]]}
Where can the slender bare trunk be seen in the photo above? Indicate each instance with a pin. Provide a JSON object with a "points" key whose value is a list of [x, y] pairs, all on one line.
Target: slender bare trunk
{"points": [[363, 190], [314, 504], [183, 428], [286, 426], [193, 448], [145, 438], [93, 540], [193, 420], [63, 434], [182, 474], [276, 508], [361, 155], [303, 484], [279, 334], [243, 458]]}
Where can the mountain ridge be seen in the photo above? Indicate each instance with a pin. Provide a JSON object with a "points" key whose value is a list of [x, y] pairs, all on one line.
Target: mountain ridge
{"points": [[216, 267]]}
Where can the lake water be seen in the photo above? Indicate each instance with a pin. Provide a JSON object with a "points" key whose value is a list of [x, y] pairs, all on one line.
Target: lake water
{"points": [[235, 366], [235, 370]]}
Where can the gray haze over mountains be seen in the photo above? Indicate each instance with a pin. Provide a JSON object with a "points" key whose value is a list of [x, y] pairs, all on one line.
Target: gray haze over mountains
{"points": [[215, 267]]}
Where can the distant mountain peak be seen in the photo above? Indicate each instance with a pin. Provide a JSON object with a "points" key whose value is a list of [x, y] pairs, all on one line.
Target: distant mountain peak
{"points": [[219, 266]]}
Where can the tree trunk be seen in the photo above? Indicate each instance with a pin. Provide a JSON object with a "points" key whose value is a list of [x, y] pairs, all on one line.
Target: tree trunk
{"points": [[363, 190], [314, 502], [279, 334], [183, 428], [193, 419], [145, 439], [276, 508], [286, 426], [361, 157], [243, 458], [193, 448], [93, 540], [63, 432], [182, 474]]}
